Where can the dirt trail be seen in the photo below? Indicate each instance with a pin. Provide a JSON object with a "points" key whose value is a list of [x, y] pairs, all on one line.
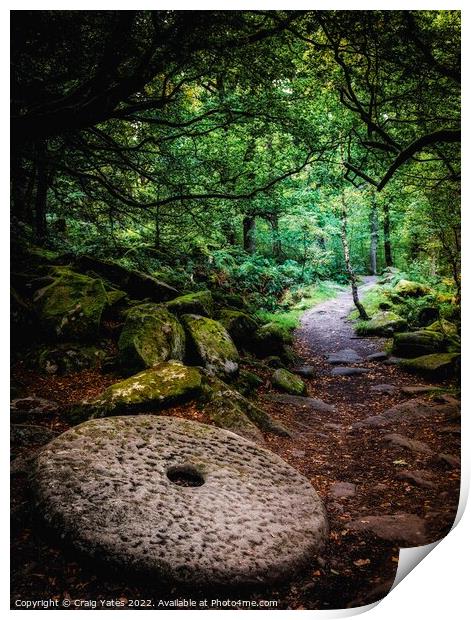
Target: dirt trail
{"points": [[357, 471], [325, 329]]}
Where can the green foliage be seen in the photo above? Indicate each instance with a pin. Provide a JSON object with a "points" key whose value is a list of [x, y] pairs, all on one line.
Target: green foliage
{"points": [[297, 302]]}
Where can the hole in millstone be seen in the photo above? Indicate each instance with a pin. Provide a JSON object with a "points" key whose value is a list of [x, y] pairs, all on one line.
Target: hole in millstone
{"points": [[185, 476]]}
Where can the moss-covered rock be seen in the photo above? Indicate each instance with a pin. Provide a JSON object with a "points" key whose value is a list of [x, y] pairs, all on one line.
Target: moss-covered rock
{"points": [[240, 326], [165, 384], [67, 358], [248, 382], [228, 409], [407, 288], [286, 381], [137, 284], [382, 323], [212, 345], [71, 306], [414, 344], [445, 327], [434, 366], [151, 334], [270, 339], [200, 303]]}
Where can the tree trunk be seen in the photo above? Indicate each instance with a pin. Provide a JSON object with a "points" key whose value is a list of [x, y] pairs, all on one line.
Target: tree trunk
{"points": [[276, 241], [348, 264], [373, 238], [387, 236], [42, 185], [249, 233]]}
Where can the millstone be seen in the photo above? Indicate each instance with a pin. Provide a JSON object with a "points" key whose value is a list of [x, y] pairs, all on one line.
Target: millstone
{"points": [[182, 500]]}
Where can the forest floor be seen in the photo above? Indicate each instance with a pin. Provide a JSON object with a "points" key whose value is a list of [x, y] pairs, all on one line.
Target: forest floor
{"points": [[409, 482]]}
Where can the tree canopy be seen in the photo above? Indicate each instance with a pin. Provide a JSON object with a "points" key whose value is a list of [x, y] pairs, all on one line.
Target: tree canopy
{"points": [[240, 130]]}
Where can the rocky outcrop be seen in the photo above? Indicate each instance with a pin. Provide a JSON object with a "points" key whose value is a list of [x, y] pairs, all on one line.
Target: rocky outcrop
{"points": [[70, 307], [151, 334], [212, 345], [137, 285], [200, 303]]}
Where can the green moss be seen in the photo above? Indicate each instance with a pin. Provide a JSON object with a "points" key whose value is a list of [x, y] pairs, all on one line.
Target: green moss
{"points": [[407, 288], [303, 300], [71, 306], [435, 365], [248, 382], [161, 386], [213, 345], [382, 323], [229, 409], [288, 382], [151, 334], [445, 327], [200, 303], [422, 342]]}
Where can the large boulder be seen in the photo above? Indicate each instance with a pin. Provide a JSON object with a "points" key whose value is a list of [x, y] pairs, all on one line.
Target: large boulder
{"points": [[271, 339], [70, 307], [151, 334], [178, 501], [137, 284], [165, 384], [382, 324], [212, 345], [240, 326], [434, 366], [407, 288], [414, 344], [288, 382], [200, 303]]}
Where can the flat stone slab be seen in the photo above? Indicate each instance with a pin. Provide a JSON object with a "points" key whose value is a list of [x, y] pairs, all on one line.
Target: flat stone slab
{"points": [[384, 388], [343, 371], [400, 441], [377, 357], [188, 502], [446, 408], [420, 478], [307, 403], [406, 529], [345, 356], [342, 489], [304, 371]]}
